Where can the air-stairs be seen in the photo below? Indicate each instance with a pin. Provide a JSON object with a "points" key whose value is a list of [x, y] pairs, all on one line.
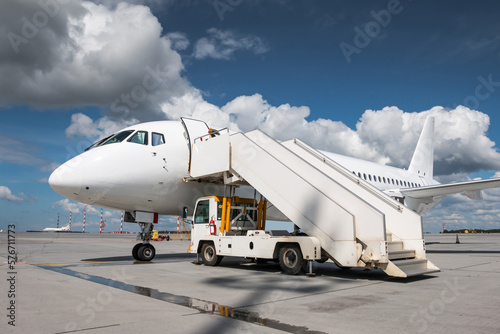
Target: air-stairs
{"points": [[357, 225]]}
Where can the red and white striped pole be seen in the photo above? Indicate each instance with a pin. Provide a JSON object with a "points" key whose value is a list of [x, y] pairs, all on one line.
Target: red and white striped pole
{"points": [[84, 213], [69, 230], [121, 224], [100, 225], [177, 225]]}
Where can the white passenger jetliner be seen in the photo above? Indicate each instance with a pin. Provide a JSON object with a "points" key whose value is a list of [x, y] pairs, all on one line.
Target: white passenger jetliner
{"points": [[141, 170], [57, 229]]}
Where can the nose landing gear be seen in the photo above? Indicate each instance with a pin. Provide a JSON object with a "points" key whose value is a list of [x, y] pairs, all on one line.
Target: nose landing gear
{"points": [[144, 251]]}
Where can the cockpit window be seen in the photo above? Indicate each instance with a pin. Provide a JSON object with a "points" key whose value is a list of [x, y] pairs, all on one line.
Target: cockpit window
{"points": [[158, 139], [117, 138], [140, 137], [98, 143]]}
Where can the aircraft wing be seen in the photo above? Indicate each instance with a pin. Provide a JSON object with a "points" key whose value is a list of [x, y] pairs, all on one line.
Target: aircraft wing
{"points": [[470, 188]]}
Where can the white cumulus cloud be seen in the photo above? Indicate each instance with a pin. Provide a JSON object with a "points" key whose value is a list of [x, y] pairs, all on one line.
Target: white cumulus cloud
{"points": [[76, 208], [89, 54], [461, 137], [6, 194], [84, 126], [178, 40], [222, 44]]}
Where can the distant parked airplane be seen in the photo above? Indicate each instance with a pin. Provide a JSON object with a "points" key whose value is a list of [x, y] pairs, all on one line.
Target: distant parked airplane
{"points": [[57, 229]]}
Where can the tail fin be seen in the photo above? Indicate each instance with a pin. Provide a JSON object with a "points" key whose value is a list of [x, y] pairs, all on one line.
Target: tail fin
{"points": [[422, 162]]}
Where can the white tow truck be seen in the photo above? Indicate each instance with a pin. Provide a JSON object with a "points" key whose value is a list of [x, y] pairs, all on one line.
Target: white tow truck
{"points": [[233, 226]]}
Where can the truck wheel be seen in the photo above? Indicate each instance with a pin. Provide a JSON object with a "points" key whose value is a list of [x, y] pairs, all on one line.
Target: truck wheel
{"points": [[291, 261], [209, 255]]}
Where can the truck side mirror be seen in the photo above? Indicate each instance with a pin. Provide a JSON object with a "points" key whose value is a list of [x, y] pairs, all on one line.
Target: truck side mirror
{"points": [[184, 212]]}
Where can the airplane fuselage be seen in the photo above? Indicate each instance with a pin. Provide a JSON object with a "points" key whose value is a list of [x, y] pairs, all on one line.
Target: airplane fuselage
{"points": [[147, 175], [385, 178]]}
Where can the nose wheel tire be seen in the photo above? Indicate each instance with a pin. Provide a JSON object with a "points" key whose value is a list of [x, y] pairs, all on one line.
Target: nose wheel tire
{"points": [[291, 261], [134, 252], [143, 252], [209, 255]]}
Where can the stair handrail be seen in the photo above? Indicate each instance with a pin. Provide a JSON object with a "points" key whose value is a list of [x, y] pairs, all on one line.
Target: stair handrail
{"points": [[381, 195]]}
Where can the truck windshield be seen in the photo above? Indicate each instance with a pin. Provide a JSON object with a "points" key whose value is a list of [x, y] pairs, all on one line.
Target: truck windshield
{"points": [[201, 216]]}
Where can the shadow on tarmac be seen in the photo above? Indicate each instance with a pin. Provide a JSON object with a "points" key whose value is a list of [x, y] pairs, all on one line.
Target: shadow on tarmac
{"points": [[328, 269]]}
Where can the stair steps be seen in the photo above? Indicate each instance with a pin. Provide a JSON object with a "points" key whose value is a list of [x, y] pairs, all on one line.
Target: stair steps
{"points": [[402, 254]]}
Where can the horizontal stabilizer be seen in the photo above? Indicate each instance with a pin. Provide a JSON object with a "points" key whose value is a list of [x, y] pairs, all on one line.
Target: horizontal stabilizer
{"points": [[470, 188]]}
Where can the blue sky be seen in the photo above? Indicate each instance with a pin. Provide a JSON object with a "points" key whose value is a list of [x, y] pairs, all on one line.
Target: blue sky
{"points": [[356, 78]]}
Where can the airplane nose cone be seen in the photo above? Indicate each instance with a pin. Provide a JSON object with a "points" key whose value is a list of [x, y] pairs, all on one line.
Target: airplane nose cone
{"points": [[66, 181]]}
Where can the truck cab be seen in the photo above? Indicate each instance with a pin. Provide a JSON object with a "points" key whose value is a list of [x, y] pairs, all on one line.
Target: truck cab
{"points": [[236, 227]]}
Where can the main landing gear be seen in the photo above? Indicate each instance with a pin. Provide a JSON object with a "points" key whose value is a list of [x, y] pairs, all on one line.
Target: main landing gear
{"points": [[144, 251]]}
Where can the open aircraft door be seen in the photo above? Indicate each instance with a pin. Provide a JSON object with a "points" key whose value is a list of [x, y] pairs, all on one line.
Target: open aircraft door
{"points": [[194, 129]]}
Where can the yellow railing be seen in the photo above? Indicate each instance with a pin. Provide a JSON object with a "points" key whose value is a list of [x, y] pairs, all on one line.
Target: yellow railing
{"points": [[227, 202]]}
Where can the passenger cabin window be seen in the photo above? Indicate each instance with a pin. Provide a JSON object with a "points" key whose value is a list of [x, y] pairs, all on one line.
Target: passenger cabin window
{"points": [[117, 138], [202, 212], [158, 139], [140, 137]]}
